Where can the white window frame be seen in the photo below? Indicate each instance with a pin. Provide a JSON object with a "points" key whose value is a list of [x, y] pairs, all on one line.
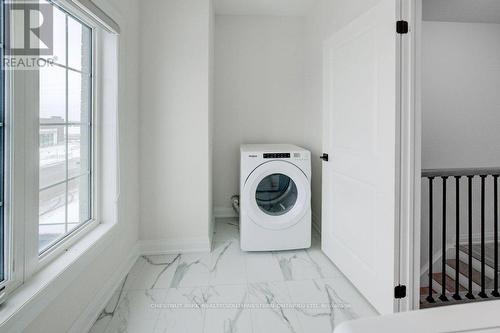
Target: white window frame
{"points": [[22, 161], [69, 240]]}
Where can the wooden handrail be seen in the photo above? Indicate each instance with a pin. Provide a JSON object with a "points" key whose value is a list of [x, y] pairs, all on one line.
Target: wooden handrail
{"points": [[460, 172]]}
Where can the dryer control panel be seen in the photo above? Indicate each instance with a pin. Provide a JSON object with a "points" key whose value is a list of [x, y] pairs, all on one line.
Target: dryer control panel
{"points": [[277, 155]]}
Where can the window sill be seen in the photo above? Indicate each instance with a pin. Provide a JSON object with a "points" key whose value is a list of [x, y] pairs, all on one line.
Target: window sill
{"points": [[31, 298]]}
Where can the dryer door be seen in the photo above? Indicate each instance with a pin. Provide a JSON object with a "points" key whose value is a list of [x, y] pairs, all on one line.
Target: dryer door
{"points": [[277, 195]]}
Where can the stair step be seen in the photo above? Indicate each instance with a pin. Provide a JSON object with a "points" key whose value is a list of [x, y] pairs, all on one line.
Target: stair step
{"points": [[463, 268], [449, 282], [476, 263], [463, 278], [489, 254]]}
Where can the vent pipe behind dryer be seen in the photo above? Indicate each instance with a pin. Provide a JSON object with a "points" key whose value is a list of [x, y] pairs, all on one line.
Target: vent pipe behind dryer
{"points": [[235, 200]]}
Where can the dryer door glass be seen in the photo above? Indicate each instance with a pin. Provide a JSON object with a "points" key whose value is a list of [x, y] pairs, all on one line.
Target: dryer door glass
{"points": [[276, 194]]}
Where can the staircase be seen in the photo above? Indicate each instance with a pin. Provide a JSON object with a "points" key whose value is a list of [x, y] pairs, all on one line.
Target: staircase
{"points": [[461, 204], [469, 290]]}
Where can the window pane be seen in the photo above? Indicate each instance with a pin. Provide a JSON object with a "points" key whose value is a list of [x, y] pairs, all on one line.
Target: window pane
{"points": [[52, 215], [65, 133], [59, 33], [79, 97], [79, 201], [52, 155], [49, 234], [79, 46], [78, 150], [52, 94]]}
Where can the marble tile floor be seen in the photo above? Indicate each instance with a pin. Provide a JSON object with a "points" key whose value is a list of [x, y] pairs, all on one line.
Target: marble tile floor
{"points": [[230, 291]]}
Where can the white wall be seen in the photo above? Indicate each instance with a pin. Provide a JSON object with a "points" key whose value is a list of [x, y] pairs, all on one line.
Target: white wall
{"points": [[259, 91], [460, 99], [324, 19], [60, 314], [175, 121], [461, 115]]}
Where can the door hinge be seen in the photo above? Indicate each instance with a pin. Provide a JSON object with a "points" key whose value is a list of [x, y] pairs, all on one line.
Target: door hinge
{"points": [[402, 27], [324, 157], [399, 292]]}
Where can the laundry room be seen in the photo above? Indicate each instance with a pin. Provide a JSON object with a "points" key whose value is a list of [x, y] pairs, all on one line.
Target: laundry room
{"points": [[258, 64], [260, 90]]}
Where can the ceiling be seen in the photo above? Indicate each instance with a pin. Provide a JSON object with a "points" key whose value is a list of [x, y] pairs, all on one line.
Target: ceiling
{"points": [[480, 11], [263, 7]]}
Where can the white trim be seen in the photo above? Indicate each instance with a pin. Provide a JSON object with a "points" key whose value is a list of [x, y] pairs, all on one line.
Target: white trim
{"points": [[88, 317], [98, 15], [407, 154], [174, 246], [415, 127], [224, 212]]}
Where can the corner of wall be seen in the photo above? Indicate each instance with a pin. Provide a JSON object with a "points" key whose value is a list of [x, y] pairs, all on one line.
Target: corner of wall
{"points": [[316, 223]]}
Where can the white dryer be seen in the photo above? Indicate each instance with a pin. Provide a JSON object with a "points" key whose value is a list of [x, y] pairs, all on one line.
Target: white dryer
{"points": [[275, 198]]}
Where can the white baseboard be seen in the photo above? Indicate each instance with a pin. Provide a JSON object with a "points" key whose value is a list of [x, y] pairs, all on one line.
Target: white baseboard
{"points": [[174, 246], [224, 212], [91, 313]]}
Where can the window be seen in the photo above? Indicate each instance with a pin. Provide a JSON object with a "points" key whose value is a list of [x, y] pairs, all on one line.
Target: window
{"points": [[65, 133], [58, 149]]}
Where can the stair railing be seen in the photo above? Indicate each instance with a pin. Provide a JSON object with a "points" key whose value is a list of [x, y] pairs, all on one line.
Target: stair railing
{"points": [[483, 174]]}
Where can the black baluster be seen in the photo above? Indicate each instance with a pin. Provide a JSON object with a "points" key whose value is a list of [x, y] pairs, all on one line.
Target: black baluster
{"points": [[495, 292], [482, 294], [429, 298], [456, 295], [469, 294], [443, 246]]}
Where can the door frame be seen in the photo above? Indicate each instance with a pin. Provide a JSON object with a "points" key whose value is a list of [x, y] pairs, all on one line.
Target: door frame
{"points": [[410, 124]]}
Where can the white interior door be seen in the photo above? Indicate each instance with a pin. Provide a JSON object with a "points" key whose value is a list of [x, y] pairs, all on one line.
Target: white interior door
{"points": [[359, 223]]}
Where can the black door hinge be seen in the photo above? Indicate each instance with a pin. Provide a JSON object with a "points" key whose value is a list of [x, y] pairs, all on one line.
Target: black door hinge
{"points": [[402, 27], [324, 157], [400, 292]]}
